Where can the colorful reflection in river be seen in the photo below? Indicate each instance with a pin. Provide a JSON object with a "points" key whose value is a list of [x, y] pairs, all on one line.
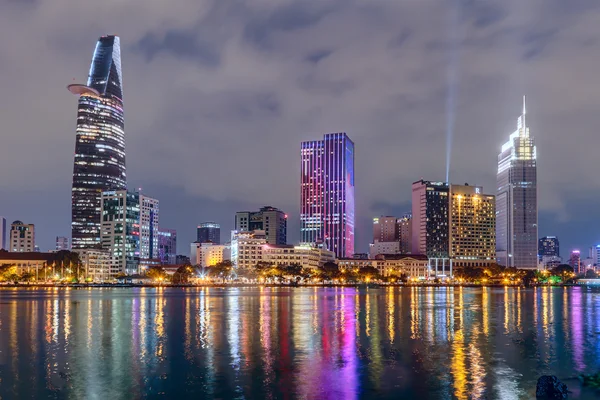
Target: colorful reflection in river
{"points": [[311, 343]]}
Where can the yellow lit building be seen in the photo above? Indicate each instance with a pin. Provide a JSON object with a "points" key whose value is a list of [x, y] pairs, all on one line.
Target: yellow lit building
{"points": [[472, 226]]}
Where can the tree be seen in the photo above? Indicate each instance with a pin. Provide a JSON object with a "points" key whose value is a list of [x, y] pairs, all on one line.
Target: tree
{"points": [[368, 273], [7, 270], [221, 270], [156, 273], [329, 271], [565, 272], [293, 270], [183, 274], [67, 263], [590, 274]]}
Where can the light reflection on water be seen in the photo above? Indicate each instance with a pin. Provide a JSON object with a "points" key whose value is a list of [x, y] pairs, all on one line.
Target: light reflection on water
{"points": [[311, 343]]}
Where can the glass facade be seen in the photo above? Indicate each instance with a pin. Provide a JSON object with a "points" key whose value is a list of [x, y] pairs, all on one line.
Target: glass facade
{"points": [[99, 163], [120, 230], [327, 193], [430, 217], [549, 246], [209, 232], [516, 200]]}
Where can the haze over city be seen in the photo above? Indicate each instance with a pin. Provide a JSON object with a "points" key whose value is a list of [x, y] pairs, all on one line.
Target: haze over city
{"points": [[219, 95]]}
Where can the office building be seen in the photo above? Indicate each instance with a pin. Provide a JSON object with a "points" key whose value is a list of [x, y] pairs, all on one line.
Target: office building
{"points": [[99, 163], [3, 234], [575, 262], [22, 237], [62, 243], [472, 232], [548, 246], [327, 193], [149, 234], [209, 232], [307, 256], [96, 264], [384, 248], [269, 219], [120, 233], [247, 248], [207, 254], [430, 217], [385, 229], [516, 200], [595, 255], [180, 259], [404, 226], [167, 246]]}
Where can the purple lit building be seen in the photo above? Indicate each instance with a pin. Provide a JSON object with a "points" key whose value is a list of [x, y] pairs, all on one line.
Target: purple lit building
{"points": [[327, 193], [167, 245]]}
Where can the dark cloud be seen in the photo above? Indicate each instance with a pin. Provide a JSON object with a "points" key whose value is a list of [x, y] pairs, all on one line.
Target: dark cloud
{"points": [[218, 95]]}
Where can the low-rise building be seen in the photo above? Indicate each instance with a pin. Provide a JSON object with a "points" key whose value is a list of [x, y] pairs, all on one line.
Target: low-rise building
{"points": [[208, 254], [411, 265], [305, 255], [96, 264], [247, 248], [31, 262]]}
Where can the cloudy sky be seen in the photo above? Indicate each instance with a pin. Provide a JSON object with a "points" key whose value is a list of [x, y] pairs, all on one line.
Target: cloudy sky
{"points": [[219, 94]]}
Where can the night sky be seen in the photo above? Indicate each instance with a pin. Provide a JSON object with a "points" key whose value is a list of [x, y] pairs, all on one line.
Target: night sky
{"points": [[219, 94]]}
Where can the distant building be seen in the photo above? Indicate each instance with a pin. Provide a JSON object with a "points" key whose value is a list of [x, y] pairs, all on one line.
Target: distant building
{"points": [[472, 224], [430, 217], [62, 243], [209, 232], [327, 193], [384, 248], [269, 219], [516, 200], [385, 229], [182, 260], [595, 255], [22, 237], [413, 266], [149, 234], [360, 256], [31, 262], [96, 264], [548, 246], [167, 246], [120, 230], [207, 254], [575, 262], [247, 248], [3, 234], [306, 255], [404, 226]]}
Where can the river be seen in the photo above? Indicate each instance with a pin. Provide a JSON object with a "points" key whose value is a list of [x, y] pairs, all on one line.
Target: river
{"points": [[295, 343]]}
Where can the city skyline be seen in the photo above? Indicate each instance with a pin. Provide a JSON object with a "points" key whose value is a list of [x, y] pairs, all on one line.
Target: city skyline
{"points": [[397, 144]]}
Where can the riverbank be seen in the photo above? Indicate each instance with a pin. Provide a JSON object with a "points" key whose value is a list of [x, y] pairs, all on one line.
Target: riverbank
{"points": [[250, 284]]}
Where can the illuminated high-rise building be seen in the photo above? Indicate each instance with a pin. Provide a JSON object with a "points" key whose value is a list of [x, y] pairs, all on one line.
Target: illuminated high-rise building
{"points": [[22, 237], [327, 193], [167, 246], [549, 246], [120, 230], [269, 219], [100, 144], [385, 229], [472, 231], [430, 218], [149, 235], [516, 200]]}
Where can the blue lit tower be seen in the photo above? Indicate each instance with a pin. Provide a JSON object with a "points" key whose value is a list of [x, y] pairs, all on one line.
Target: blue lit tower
{"points": [[100, 144], [327, 193]]}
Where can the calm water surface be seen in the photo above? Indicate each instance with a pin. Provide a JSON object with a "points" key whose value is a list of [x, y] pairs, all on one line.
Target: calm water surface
{"points": [[280, 343]]}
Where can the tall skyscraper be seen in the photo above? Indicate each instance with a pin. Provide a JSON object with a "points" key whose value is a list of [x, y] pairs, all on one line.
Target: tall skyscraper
{"points": [[121, 230], [62, 243], [209, 232], [472, 226], [327, 193], [22, 237], [430, 216], [100, 145], [149, 213], [269, 219], [3, 234], [549, 246], [516, 200]]}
